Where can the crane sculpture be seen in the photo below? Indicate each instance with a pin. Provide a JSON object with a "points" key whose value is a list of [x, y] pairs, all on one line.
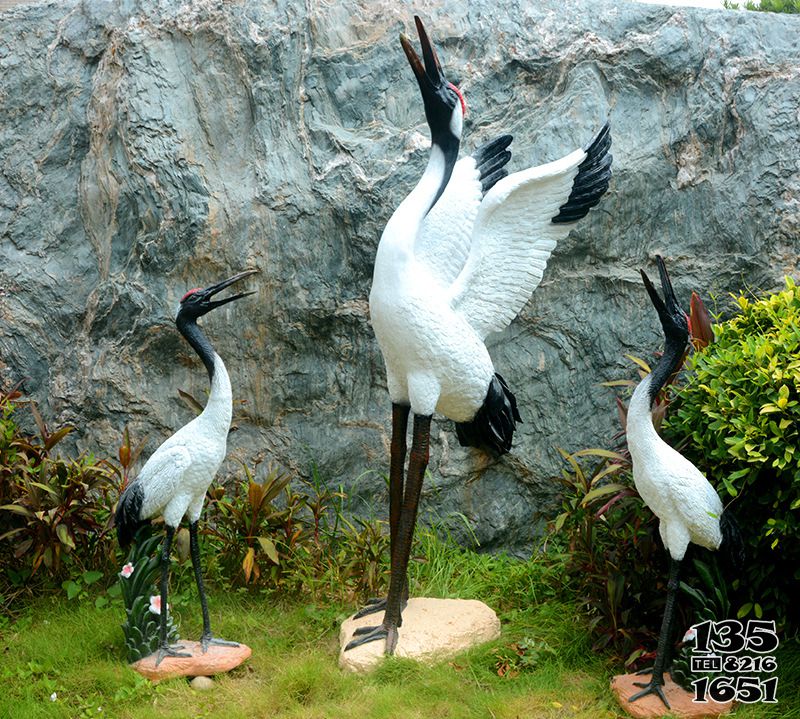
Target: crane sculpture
{"points": [[174, 480], [688, 508], [458, 259]]}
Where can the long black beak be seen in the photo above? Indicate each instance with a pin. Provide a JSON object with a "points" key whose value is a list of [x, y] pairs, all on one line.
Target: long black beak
{"points": [[214, 289], [431, 76], [668, 307]]}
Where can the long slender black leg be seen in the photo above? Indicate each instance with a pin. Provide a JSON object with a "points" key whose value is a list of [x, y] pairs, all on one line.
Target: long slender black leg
{"points": [[164, 649], [668, 650], [418, 462], [397, 463], [657, 680], [194, 548]]}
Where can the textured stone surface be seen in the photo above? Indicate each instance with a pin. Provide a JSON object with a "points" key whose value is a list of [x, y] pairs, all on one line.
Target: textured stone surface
{"points": [[433, 629], [651, 707], [147, 147], [202, 683], [216, 660]]}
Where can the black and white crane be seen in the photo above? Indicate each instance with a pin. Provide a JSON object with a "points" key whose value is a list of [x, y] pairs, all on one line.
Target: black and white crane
{"points": [[174, 480], [688, 508], [458, 259]]}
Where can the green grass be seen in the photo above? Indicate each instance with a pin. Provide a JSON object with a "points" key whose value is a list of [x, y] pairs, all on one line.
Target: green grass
{"points": [[75, 650]]}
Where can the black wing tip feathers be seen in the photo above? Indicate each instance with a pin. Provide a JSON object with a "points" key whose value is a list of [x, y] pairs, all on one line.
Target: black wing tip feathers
{"points": [[490, 159], [488, 182], [494, 423], [601, 142], [492, 147], [592, 180], [126, 518]]}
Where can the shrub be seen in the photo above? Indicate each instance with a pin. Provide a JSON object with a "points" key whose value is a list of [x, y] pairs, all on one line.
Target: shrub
{"points": [[55, 511], [737, 419], [612, 555], [265, 534], [783, 6]]}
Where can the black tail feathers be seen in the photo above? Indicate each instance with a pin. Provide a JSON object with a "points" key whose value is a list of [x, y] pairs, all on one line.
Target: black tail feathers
{"points": [[494, 424], [126, 517], [732, 546]]}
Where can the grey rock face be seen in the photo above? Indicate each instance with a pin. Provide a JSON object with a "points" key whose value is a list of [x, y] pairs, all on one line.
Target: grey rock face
{"points": [[149, 146]]}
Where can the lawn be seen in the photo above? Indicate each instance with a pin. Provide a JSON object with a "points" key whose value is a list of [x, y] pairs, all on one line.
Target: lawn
{"points": [[75, 650]]}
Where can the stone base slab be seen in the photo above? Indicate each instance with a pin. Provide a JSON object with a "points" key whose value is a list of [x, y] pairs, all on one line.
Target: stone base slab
{"points": [[651, 707], [216, 660], [433, 629]]}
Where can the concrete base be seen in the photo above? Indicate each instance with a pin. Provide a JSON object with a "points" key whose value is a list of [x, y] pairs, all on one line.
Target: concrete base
{"points": [[433, 629], [651, 707], [216, 660]]}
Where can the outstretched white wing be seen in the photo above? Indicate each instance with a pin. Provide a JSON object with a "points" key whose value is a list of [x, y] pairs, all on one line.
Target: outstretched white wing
{"points": [[444, 238], [519, 223]]}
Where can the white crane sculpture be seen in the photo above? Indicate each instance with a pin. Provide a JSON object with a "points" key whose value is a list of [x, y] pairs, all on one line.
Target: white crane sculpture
{"points": [[688, 508], [458, 259], [174, 480]]}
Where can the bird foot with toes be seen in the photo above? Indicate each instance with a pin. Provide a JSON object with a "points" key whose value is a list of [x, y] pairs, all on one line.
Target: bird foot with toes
{"points": [[208, 640], [167, 650], [651, 687], [365, 635], [374, 605]]}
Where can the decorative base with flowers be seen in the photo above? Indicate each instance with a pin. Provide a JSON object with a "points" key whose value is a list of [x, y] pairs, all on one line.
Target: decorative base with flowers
{"points": [[139, 578]]}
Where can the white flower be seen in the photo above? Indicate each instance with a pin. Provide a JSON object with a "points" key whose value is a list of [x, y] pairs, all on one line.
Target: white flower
{"points": [[53, 697], [127, 570], [690, 635], [155, 604]]}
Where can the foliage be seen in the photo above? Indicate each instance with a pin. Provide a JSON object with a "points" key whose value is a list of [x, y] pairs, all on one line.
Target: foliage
{"points": [[738, 420], [248, 522], [611, 551], [782, 6], [80, 587], [57, 511], [141, 627], [525, 655], [266, 534]]}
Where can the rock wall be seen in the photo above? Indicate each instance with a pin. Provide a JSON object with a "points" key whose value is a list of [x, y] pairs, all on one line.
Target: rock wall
{"points": [[148, 146]]}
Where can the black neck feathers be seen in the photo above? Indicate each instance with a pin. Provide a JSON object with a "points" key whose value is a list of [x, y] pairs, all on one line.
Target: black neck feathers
{"points": [[674, 348], [448, 144], [199, 342]]}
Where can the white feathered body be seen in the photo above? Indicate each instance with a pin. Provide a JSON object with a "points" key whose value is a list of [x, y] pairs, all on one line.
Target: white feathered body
{"points": [[175, 478], [687, 506], [447, 277], [434, 360]]}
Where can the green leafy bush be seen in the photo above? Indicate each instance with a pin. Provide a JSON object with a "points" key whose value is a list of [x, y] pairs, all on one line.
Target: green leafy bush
{"points": [[267, 534], [56, 511], [612, 555], [738, 419], [710, 603], [783, 6]]}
